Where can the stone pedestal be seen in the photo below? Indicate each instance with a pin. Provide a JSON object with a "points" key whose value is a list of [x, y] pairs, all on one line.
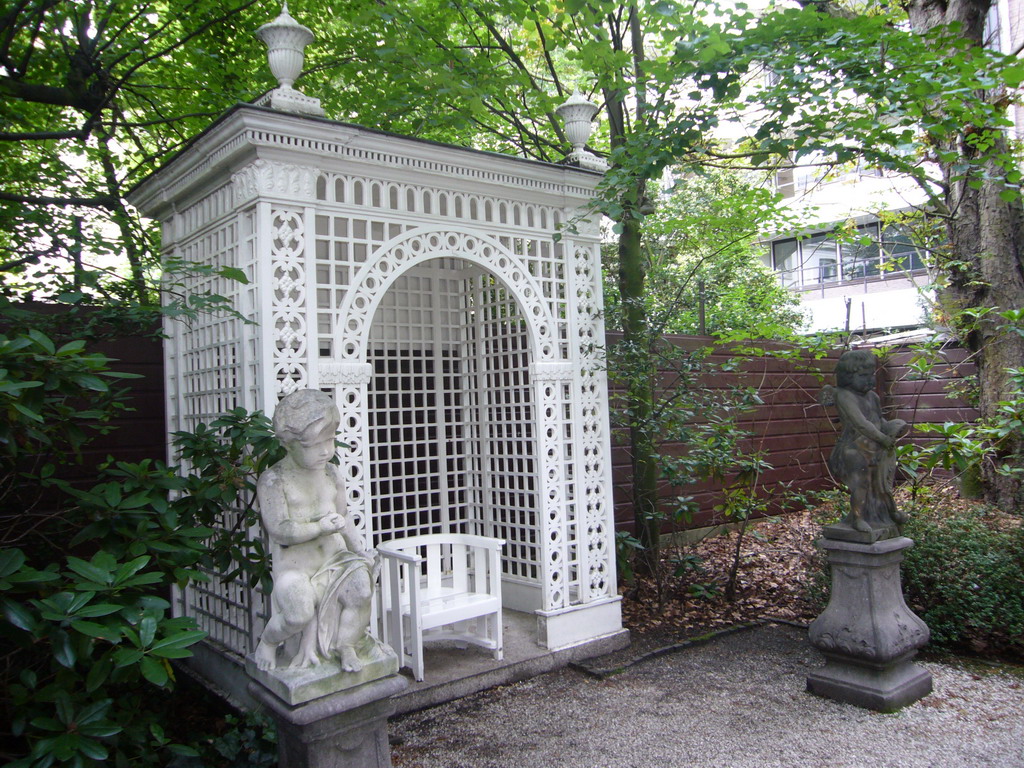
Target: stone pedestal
{"points": [[348, 729], [297, 685], [867, 633]]}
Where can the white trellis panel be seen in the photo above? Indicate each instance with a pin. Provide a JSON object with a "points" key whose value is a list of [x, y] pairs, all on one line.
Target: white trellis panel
{"points": [[428, 289]]}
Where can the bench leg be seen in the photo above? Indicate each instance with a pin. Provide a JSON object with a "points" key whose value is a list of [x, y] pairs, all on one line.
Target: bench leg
{"points": [[496, 634], [416, 648]]}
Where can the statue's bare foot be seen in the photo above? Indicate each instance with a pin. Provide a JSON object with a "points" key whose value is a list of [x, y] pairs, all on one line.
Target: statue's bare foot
{"points": [[859, 525], [349, 660], [306, 657], [265, 655]]}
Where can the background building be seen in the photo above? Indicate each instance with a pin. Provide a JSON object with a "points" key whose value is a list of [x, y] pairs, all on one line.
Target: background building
{"points": [[853, 265]]}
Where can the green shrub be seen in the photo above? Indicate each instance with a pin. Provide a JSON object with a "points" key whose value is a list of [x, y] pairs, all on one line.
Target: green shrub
{"points": [[248, 740], [965, 577], [84, 616]]}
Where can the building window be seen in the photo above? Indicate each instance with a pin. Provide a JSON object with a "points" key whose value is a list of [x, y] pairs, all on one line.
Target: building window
{"points": [[823, 259], [786, 257], [899, 252], [861, 257], [818, 259], [785, 182]]}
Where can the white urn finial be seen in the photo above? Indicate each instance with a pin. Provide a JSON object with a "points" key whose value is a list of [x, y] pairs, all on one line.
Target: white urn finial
{"points": [[578, 113], [286, 41]]}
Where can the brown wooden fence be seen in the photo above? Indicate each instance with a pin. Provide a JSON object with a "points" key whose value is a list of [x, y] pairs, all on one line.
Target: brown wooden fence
{"points": [[139, 432], [918, 398], [795, 432], [791, 428]]}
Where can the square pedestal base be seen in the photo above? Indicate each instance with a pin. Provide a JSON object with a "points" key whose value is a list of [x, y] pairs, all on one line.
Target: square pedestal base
{"points": [[881, 689], [348, 729], [297, 685]]}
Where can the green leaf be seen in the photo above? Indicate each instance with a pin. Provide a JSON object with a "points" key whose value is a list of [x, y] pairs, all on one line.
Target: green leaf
{"points": [[10, 561], [124, 657], [93, 712], [98, 673], [27, 412], [100, 609], [47, 724], [181, 749], [63, 649], [92, 749], [65, 711], [179, 640], [89, 570], [232, 273], [90, 382], [1013, 75], [147, 631], [42, 340], [28, 678], [154, 671], [131, 568], [19, 615], [172, 653], [72, 346], [93, 629], [101, 730], [17, 386]]}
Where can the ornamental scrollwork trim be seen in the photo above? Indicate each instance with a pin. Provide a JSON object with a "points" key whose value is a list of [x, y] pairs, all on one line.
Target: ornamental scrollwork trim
{"points": [[541, 371], [345, 374], [267, 177]]}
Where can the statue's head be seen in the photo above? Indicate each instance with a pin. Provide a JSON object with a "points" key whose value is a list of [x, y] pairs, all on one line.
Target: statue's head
{"points": [[852, 363], [304, 415]]}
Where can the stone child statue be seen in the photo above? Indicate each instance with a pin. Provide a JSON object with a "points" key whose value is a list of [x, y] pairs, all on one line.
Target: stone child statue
{"points": [[323, 574], [864, 457]]}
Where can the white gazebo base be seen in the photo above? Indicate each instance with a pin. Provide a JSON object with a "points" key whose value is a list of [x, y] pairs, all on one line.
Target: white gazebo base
{"points": [[576, 624], [451, 672], [456, 672]]}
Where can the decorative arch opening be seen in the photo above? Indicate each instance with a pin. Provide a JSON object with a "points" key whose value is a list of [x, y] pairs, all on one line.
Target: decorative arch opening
{"points": [[415, 247], [450, 418]]}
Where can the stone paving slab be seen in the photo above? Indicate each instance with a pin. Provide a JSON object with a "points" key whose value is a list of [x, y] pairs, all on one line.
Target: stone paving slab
{"points": [[735, 701]]}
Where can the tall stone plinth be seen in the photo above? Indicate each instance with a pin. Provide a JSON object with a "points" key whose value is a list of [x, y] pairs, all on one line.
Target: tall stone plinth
{"points": [[348, 729], [867, 633]]}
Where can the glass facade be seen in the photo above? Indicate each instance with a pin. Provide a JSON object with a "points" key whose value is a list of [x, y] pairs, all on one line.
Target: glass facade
{"points": [[872, 252]]}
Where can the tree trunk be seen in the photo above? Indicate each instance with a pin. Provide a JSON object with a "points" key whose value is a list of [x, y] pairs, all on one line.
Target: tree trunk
{"points": [[986, 261], [639, 390]]}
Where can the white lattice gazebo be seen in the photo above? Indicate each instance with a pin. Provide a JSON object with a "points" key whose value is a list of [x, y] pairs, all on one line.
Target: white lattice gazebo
{"points": [[422, 285]]}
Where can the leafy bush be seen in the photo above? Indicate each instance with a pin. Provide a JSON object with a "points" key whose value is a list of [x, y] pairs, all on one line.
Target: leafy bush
{"points": [[87, 638], [965, 577], [221, 463], [248, 741], [84, 586], [54, 398]]}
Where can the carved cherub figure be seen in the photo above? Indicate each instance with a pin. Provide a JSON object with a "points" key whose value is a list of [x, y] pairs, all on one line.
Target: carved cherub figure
{"points": [[864, 457], [322, 572]]}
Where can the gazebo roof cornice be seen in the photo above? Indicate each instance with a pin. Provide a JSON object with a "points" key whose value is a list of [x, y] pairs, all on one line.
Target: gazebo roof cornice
{"points": [[247, 132]]}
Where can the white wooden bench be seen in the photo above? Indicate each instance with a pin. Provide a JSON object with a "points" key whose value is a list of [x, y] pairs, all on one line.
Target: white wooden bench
{"points": [[444, 586]]}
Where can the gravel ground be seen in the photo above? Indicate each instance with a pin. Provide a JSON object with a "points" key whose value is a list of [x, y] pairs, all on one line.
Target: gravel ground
{"points": [[736, 702]]}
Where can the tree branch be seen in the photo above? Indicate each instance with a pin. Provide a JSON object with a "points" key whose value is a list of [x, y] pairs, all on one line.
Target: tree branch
{"points": [[99, 201], [519, 64], [48, 94], [547, 59], [7, 266], [44, 135]]}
